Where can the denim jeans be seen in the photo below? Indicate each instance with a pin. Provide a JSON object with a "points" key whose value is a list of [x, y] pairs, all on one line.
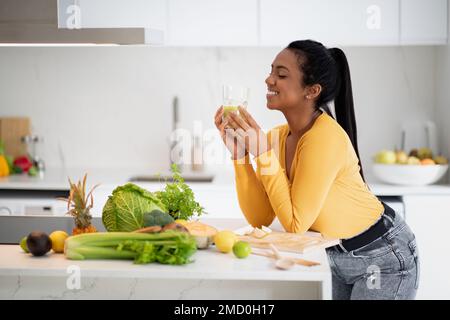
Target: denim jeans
{"points": [[387, 268]]}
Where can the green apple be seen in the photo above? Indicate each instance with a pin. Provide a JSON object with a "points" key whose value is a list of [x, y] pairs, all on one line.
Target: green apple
{"points": [[23, 244], [424, 153], [401, 157], [385, 157], [413, 160]]}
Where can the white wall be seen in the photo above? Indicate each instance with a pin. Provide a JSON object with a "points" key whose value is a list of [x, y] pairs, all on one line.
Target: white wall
{"points": [[111, 106], [443, 96]]}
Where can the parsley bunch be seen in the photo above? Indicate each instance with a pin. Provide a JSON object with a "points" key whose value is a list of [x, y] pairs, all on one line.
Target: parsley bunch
{"points": [[179, 198]]}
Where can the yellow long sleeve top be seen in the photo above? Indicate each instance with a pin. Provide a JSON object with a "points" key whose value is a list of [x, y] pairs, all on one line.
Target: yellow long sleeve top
{"points": [[325, 192]]}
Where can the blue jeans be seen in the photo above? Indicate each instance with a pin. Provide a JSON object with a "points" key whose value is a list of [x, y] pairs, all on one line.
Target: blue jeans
{"points": [[387, 268]]}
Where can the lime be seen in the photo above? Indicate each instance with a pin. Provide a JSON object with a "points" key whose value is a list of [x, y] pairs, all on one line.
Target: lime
{"points": [[242, 249], [225, 240], [23, 245], [58, 238], [33, 171]]}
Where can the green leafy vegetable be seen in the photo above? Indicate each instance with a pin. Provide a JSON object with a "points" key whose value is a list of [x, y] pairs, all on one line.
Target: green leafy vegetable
{"points": [[170, 247], [179, 198], [157, 218], [125, 208]]}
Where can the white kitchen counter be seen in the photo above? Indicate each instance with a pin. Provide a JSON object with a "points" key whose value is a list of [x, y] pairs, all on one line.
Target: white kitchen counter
{"points": [[213, 275], [381, 189], [57, 178]]}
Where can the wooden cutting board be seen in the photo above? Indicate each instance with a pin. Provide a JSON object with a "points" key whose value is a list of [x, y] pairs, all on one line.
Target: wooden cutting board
{"points": [[291, 242], [12, 129]]}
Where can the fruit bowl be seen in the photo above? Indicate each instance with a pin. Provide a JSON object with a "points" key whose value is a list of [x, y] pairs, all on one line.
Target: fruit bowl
{"points": [[409, 175]]}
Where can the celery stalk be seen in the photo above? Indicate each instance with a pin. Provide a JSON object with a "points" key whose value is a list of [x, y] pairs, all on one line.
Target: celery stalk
{"points": [[170, 247], [111, 238], [87, 252]]}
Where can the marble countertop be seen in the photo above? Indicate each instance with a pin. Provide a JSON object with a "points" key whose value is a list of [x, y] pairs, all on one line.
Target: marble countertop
{"points": [[208, 264]]}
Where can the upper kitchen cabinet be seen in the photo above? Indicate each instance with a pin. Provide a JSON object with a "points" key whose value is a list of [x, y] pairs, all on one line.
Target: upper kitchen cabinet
{"points": [[147, 15], [343, 22], [83, 21], [212, 23], [74, 14], [423, 22], [225, 22]]}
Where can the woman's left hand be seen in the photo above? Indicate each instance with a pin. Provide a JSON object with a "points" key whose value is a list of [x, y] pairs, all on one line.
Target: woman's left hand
{"points": [[256, 141]]}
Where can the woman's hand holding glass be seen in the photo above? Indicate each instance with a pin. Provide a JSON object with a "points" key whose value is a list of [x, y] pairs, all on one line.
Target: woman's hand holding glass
{"points": [[233, 143], [248, 132]]}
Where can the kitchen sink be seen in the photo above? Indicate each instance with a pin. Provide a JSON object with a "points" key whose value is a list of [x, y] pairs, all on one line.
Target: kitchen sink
{"points": [[188, 177]]}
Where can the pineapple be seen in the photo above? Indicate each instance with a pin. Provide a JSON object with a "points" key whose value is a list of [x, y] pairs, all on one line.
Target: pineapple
{"points": [[79, 205]]}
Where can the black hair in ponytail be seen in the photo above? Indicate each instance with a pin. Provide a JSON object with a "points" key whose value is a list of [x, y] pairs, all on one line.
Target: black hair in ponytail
{"points": [[329, 68]]}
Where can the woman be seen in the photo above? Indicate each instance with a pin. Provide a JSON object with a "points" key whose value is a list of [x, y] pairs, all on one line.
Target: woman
{"points": [[309, 176]]}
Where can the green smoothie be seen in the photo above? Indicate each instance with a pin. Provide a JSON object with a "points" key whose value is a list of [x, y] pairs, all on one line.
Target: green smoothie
{"points": [[229, 109]]}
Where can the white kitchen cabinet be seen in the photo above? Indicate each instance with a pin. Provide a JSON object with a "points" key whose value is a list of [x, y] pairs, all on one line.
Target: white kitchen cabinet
{"points": [[429, 218], [212, 23], [344, 22], [423, 22], [266, 22], [112, 14]]}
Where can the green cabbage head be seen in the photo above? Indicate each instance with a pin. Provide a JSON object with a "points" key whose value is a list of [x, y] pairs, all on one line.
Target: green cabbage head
{"points": [[125, 208]]}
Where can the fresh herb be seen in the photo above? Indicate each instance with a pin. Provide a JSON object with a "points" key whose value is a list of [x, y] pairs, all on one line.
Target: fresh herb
{"points": [[179, 198]]}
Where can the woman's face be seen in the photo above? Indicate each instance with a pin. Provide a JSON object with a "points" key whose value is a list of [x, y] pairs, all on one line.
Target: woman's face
{"points": [[284, 84]]}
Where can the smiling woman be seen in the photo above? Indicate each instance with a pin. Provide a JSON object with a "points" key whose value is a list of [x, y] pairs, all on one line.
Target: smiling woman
{"points": [[310, 177]]}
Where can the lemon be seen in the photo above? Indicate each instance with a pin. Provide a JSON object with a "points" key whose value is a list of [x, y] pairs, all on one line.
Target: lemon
{"points": [[242, 249], [23, 245], [182, 221], [225, 240], [58, 238]]}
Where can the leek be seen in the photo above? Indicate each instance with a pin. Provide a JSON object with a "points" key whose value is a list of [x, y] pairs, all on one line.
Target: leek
{"points": [[170, 247]]}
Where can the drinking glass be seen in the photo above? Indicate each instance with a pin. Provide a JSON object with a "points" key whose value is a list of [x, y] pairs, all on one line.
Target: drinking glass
{"points": [[233, 97]]}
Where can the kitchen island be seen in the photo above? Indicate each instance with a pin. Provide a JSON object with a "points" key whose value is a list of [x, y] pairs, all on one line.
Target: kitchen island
{"points": [[212, 275], [24, 207]]}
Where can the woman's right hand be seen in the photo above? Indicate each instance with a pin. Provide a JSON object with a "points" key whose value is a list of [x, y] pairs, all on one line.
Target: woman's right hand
{"points": [[229, 138]]}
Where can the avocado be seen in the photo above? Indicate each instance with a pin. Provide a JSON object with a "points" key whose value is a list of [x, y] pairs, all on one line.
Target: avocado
{"points": [[38, 243]]}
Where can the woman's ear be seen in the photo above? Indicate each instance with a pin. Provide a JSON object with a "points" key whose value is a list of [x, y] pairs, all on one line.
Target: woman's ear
{"points": [[313, 91]]}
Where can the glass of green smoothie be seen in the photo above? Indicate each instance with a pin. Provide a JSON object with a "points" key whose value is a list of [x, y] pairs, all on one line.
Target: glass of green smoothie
{"points": [[233, 97]]}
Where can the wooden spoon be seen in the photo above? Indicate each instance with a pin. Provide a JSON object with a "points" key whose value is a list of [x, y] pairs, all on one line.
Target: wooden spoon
{"points": [[283, 263], [299, 261]]}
